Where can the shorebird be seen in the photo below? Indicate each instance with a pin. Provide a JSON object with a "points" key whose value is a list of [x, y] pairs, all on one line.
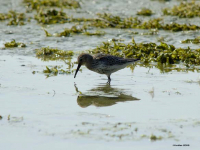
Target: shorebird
{"points": [[103, 64]]}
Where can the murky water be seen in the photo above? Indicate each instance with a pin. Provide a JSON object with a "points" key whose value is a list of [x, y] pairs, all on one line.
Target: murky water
{"points": [[66, 113]]}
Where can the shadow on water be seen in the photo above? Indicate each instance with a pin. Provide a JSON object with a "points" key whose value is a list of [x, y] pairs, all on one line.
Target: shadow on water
{"points": [[102, 96]]}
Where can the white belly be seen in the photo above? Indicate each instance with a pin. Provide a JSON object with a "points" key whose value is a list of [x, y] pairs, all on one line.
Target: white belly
{"points": [[104, 69]]}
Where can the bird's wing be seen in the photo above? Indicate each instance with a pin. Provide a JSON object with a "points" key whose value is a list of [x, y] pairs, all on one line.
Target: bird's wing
{"points": [[99, 56], [112, 60]]}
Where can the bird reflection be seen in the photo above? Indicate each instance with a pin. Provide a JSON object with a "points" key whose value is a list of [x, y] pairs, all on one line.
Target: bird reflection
{"points": [[102, 96]]}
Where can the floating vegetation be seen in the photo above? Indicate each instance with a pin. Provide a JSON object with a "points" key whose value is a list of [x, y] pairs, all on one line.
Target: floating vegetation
{"points": [[145, 12], [98, 33], [51, 17], [54, 71], [118, 131], [37, 4], [109, 21], [74, 30], [68, 32], [193, 41], [154, 138], [14, 18], [151, 52], [150, 32], [184, 10], [15, 119], [47, 54], [13, 43], [4, 16]]}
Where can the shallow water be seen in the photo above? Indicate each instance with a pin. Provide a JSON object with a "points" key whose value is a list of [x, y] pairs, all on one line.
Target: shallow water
{"points": [[63, 112]]}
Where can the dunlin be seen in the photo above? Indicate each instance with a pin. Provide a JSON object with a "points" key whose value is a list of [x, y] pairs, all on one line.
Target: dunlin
{"points": [[103, 64]]}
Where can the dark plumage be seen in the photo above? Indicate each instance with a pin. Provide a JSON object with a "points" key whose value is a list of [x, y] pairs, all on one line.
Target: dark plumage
{"points": [[103, 64]]}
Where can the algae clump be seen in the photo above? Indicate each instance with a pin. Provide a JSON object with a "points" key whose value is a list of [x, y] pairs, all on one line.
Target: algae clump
{"points": [[151, 52], [67, 31], [74, 30], [110, 21], [184, 10], [145, 12], [98, 33], [14, 18], [47, 54], [51, 17], [153, 137], [37, 4], [13, 43], [193, 41]]}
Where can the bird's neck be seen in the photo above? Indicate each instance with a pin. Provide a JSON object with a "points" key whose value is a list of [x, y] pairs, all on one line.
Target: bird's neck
{"points": [[89, 63]]}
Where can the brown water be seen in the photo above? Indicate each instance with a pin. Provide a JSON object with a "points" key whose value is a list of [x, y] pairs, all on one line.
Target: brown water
{"points": [[66, 113]]}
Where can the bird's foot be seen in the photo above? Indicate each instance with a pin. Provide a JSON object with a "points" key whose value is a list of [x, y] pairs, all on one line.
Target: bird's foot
{"points": [[108, 82]]}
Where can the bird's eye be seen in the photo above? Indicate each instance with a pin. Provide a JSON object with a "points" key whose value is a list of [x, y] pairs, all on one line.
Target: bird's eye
{"points": [[81, 59]]}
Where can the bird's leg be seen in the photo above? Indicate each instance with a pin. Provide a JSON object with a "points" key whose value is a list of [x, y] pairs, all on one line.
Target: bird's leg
{"points": [[109, 79]]}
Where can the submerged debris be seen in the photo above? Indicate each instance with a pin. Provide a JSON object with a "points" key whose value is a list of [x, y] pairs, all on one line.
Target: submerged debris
{"points": [[46, 54], [145, 12], [13, 43], [184, 10]]}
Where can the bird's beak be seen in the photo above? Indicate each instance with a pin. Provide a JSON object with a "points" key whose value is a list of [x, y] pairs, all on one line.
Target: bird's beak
{"points": [[79, 66]]}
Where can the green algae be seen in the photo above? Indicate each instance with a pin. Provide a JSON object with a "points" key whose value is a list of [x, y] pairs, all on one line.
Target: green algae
{"points": [[184, 10], [150, 32], [13, 17], [53, 54], [4, 16], [37, 4], [116, 131], [110, 21], [98, 33], [16, 18], [193, 41], [51, 16], [151, 52], [154, 137], [67, 31], [107, 20], [13, 43], [56, 70], [74, 30], [145, 12]]}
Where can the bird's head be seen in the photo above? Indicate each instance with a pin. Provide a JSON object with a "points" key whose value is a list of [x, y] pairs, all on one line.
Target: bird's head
{"points": [[83, 59]]}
